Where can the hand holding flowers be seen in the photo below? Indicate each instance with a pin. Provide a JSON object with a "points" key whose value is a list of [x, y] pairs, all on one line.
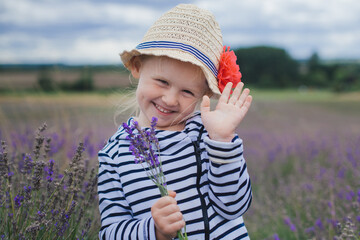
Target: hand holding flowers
{"points": [[168, 218], [165, 212]]}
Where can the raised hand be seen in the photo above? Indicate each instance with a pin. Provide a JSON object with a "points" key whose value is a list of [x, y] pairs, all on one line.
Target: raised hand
{"points": [[230, 110], [167, 217]]}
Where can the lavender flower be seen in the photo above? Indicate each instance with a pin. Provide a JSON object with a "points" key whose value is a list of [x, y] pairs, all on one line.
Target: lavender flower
{"points": [[319, 224], [27, 191], [143, 143], [40, 215], [57, 143], [17, 200], [350, 195], [310, 229], [142, 146], [27, 211], [50, 170], [37, 175], [288, 222], [28, 164]]}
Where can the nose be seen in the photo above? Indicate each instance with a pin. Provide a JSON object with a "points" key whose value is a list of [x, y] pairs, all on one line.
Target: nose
{"points": [[170, 98]]}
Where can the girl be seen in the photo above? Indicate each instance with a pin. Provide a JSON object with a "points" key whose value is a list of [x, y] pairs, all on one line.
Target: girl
{"points": [[180, 63]]}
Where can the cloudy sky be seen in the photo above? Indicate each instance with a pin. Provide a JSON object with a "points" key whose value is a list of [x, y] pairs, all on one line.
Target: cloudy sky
{"points": [[95, 31]]}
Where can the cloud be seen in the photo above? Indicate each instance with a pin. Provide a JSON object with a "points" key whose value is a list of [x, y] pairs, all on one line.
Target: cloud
{"points": [[44, 13], [301, 26], [89, 31], [80, 50], [72, 32]]}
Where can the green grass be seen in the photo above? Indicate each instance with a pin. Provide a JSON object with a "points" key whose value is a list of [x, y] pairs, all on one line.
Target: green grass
{"points": [[304, 95]]}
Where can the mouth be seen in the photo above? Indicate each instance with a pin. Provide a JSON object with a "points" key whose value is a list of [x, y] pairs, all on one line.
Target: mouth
{"points": [[162, 110]]}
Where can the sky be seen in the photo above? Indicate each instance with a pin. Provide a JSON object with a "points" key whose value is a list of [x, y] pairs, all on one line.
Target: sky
{"points": [[96, 31]]}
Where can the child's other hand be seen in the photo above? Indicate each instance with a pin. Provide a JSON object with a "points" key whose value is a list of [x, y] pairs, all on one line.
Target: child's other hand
{"points": [[229, 112], [167, 217]]}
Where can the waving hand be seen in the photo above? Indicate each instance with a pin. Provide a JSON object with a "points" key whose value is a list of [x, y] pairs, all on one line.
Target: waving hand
{"points": [[230, 110]]}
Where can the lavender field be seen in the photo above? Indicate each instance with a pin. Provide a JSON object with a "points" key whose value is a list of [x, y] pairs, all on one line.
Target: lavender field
{"points": [[302, 151]]}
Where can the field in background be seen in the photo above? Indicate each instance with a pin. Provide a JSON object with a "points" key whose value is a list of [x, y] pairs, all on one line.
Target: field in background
{"points": [[272, 111], [27, 79], [302, 150]]}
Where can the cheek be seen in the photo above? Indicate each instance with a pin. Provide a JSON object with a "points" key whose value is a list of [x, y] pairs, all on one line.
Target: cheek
{"points": [[190, 105], [141, 87], [139, 95], [146, 91]]}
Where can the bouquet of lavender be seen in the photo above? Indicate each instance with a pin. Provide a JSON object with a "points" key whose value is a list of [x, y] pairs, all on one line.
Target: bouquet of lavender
{"points": [[143, 142]]}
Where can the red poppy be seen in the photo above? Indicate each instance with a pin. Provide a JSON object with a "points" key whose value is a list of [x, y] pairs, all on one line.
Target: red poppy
{"points": [[229, 71]]}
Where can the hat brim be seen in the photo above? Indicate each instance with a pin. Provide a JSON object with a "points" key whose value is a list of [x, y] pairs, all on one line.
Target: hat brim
{"points": [[126, 57]]}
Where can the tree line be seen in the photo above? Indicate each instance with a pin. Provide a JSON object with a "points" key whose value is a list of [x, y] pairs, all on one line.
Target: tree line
{"points": [[84, 83], [261, 67], [270, 67]]}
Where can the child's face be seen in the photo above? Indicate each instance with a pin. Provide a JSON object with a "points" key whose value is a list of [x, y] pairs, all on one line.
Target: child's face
{"points": [[169, 90]]}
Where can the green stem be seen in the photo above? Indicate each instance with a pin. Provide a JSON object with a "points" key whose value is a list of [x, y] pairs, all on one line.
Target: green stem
{"points": [[72, 197], [52, 194], [11, 198]]}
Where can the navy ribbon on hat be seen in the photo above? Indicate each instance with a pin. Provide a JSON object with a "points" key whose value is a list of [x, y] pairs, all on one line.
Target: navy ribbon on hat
{"points": [[184, 47]]}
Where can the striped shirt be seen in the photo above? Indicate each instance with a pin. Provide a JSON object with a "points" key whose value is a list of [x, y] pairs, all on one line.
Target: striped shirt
{"points": [[210, 178]]}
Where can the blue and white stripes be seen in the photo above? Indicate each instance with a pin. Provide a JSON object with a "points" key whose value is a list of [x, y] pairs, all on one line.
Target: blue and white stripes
{"points": [[126, 194], [183, 47]]}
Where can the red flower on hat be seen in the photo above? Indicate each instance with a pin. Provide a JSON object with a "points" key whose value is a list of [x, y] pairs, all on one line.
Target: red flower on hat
{"points": [[229, 71]]}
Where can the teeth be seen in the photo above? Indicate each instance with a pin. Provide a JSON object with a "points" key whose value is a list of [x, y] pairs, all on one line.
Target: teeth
{"points": [[161, 109]]}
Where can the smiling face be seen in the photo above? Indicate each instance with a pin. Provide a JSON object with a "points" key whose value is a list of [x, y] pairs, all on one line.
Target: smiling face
{"points": [[168, 89]]}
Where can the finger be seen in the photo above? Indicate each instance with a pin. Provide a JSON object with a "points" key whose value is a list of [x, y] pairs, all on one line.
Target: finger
{"points": [[169, 209], [205, 104], [171, 229], [176, 226], [169, 225], [174, 217], [172, 193], [236, 94], [226, 93], [245, 107], [242, 97], [164, 201]]}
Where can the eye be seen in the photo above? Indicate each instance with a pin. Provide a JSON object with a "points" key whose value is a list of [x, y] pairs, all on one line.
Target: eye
{"points": [[162, 82], [188, 92]]}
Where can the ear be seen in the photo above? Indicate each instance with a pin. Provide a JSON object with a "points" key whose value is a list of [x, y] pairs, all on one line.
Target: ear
{"points": [[135, 67]]}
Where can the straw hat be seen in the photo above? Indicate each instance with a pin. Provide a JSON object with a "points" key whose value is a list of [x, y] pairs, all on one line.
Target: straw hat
{"points": [[186, 33]]}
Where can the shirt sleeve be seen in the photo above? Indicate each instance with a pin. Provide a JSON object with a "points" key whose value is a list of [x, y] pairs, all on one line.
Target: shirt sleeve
{"points": [[229, 182], [116, 215]]}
